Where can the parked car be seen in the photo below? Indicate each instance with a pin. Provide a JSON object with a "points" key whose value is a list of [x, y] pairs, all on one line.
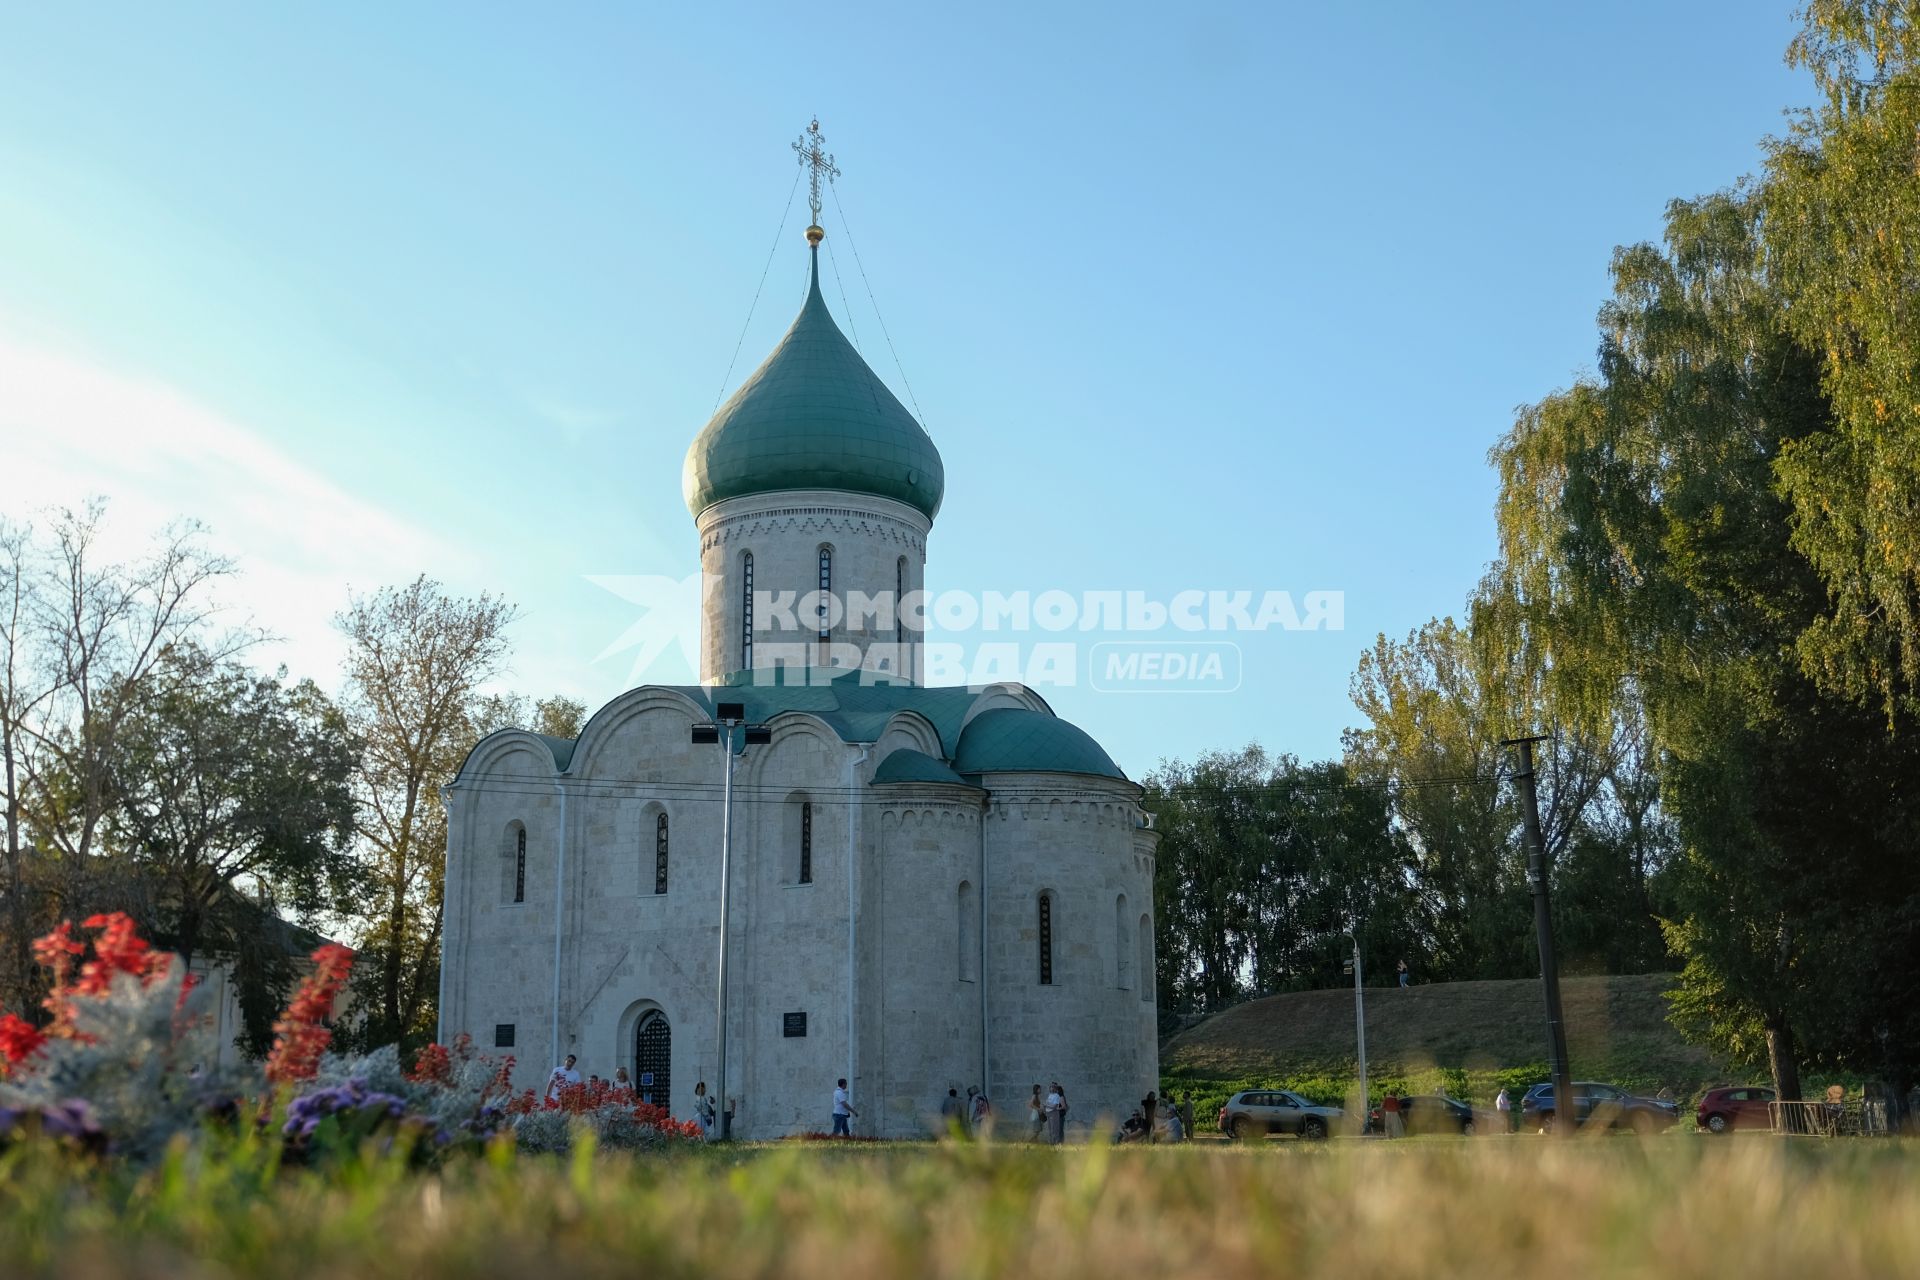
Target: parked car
{"points": [[1254, 1113], [1430, 1113], [1599, 1103], [1735, 1107]]}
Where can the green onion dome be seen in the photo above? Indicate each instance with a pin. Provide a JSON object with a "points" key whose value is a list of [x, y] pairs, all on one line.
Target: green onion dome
{"points": [[814, 416]]}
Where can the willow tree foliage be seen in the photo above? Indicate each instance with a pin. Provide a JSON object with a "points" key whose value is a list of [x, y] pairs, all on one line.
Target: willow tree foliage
{"points": [[1841, 234], [1648, 508], [1437, 707]]}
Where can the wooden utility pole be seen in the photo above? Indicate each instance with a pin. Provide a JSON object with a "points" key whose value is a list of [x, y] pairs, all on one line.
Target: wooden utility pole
{"points": [[1543, 927]]}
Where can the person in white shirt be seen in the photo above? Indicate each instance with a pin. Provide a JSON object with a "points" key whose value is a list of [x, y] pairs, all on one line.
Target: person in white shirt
{"points": [[563, 1075], [843, 1111], [1504, 1105], [1056, 1111]]}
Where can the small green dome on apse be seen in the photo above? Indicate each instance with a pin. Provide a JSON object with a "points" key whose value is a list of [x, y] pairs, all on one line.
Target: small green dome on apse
{"points": [[814, 416], [1016, 740]]}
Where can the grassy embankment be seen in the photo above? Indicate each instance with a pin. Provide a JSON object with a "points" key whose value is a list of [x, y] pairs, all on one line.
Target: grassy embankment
{"points": [[1464, 1038], [1758, 1208]]}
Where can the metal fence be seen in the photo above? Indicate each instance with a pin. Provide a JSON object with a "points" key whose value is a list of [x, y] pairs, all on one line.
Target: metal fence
{"points": [[1849, 1119]]}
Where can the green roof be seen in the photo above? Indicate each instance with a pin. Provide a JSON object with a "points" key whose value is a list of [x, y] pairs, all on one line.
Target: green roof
{"points": [[562, 749], [856, 711], [1004, 740], [908, 765], [814, 416], [1015, 740]]}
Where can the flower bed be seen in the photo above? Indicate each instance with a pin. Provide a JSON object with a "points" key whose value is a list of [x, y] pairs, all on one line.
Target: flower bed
{"points": [[123, 1063]]}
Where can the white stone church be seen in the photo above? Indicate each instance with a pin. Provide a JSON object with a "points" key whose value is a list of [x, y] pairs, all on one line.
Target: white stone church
{"points": [[932, 888]]}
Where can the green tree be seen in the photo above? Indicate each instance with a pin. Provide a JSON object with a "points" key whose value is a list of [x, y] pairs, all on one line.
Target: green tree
{"points": [[1438, 707], [1650, 501], [559, 716], [417, 660], [1264, 865], [1431, 739], [224, 777], [1206, 813], [82, 637], [1841, 235]]}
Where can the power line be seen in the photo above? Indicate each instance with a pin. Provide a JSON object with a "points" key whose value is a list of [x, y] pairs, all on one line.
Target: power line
{"points": [[851, 244], [845, 306], [687, 791], [754, 305]]}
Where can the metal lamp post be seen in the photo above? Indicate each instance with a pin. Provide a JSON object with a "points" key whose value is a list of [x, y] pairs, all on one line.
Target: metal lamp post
{"points": [[727, 717]]}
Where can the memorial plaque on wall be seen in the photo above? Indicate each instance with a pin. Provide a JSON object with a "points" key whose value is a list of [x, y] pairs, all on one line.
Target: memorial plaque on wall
{"points": [[793, 1024]]}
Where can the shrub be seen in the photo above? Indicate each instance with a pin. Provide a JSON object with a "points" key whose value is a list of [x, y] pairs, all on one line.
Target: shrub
{"points": [[126, 1063], [127, 1058]]}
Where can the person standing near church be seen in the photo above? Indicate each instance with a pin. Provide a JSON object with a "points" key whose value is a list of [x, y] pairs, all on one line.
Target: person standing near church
{"points": [[982, 1118], [843, 1112], [1055, 1108], [1036, 1114], [563, 1075]]}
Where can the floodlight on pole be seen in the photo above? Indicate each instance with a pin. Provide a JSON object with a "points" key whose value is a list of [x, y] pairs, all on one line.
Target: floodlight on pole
{"points": [[728, 717]]}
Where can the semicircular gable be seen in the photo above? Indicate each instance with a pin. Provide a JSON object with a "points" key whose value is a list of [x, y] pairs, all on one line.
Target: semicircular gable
{"points": [[619, 717], [1010, 694], [515, 752], [791, 728], [910, 730]]}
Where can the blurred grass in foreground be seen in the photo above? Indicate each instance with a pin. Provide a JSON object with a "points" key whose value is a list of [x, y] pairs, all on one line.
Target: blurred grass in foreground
{"points": [[1676, 1206]]}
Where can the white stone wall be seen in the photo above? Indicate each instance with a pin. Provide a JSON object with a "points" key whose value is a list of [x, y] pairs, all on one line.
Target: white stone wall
{"points": [[784, 532], [627, 950], [924, 1015], [1094, 1028], [903, 1021]]}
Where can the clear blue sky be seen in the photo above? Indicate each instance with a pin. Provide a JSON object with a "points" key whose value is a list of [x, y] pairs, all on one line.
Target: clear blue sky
{"points": [[1232, 297]]}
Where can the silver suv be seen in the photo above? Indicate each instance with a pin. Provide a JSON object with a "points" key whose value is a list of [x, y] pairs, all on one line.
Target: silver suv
{"points": [[1254, 1113]]}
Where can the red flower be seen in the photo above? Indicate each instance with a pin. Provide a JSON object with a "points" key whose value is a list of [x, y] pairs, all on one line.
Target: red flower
{"points": [[55, 952], [118, 948], [301, 1035], [433, 1065], [502, 1084], [19, 1040]]}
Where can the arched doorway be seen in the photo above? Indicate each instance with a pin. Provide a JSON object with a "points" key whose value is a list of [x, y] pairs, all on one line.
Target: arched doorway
{"points": [[653, 1059]]}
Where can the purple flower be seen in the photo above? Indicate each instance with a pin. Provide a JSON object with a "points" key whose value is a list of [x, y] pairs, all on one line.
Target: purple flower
{"points": [[305, 1112], [70, 1119]]}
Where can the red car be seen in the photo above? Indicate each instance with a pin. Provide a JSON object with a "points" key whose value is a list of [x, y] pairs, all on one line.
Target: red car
{"points": [[1735, 1107]]}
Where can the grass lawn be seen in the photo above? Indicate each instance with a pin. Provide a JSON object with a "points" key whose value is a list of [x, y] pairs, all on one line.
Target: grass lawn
{"points": [[1468, 1039], [1680, 1205]]}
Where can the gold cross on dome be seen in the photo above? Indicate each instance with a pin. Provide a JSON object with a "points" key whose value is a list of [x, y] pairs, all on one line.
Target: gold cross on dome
{"points": [[812, 154]]}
